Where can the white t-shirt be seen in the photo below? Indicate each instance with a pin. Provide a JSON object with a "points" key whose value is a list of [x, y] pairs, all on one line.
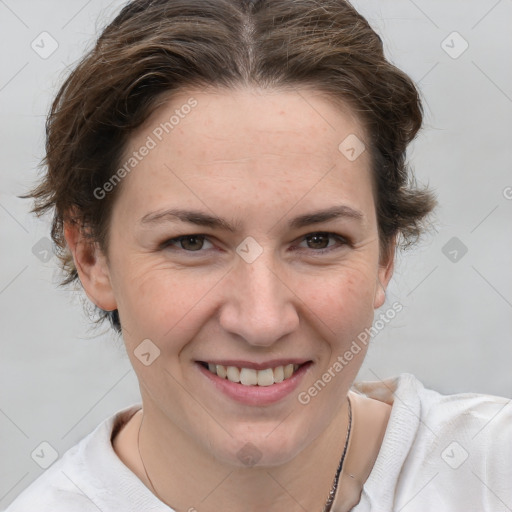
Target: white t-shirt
{"points": [[440, 453]]}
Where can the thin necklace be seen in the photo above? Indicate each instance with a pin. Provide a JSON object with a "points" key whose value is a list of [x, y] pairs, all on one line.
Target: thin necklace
{"points": [[332, 492]]}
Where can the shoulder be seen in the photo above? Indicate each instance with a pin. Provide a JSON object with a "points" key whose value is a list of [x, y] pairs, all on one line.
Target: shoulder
{"points": [[52, 492], [462, 414], [75, 481], [468, 431], [441, 451], [58, 488], [465, 443], [479, 424]]}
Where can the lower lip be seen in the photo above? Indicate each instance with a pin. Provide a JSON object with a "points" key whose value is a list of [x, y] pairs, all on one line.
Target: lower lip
{"points": [[256, 395]]}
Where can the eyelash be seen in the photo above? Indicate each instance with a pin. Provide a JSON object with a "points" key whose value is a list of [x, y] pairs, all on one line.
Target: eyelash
{"points": [[341, 242]]}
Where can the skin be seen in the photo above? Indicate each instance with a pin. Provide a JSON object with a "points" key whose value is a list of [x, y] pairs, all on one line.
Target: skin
{"points": [[257, 159]]}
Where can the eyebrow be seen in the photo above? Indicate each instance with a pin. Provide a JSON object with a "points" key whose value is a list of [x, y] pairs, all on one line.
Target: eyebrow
{"points": [[204, 219]]}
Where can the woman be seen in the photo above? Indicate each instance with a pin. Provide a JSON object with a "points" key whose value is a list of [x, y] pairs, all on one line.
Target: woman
{"points": [[229, 186]]}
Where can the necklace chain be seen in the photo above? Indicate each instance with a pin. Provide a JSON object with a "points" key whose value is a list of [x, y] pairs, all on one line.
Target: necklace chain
{"points": [[332, 492]]}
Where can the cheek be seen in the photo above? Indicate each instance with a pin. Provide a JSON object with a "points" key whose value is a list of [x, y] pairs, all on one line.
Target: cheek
{"points": [[155, 300], [343, 300]]}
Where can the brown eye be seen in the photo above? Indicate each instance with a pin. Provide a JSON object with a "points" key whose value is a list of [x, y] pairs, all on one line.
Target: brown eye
{"points": [[318, 241], [192, 242], [323, 242], [187, 243]]}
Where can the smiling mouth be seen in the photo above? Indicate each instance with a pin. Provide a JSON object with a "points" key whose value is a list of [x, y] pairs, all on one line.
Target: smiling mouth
{"points": [[252, 377]]}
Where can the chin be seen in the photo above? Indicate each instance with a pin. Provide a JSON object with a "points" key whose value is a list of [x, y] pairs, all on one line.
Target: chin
{"points": [[267, 448]]}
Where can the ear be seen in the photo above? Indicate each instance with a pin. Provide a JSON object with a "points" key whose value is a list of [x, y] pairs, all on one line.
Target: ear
{"points": [[91, 265], [384, 274]]}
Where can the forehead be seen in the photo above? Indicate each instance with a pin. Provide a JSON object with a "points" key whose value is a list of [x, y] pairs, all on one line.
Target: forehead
{"points": [[259, 141], [291, 117]]}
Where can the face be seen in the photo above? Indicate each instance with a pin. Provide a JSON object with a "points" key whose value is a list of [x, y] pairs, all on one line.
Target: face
{"points": [[244, 237]]}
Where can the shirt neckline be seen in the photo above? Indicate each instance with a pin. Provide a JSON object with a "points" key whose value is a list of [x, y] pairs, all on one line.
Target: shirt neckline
{"points": [[402, 425]]}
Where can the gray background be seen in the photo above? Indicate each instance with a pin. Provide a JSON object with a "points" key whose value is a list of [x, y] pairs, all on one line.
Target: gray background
{"points": [[59, 378]]}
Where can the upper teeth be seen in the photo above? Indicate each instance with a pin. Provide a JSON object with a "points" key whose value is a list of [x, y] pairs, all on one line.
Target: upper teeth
{"points": [[251, 377]]}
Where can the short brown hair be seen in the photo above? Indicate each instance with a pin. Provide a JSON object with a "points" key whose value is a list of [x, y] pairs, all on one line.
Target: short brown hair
{"points": [[161, 46]]}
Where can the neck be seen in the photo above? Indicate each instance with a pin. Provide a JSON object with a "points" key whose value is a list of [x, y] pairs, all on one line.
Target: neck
{"points": [[194, 480]]}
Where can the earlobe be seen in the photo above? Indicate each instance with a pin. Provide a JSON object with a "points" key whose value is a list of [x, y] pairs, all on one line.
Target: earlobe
{"points": [[91, 265]]}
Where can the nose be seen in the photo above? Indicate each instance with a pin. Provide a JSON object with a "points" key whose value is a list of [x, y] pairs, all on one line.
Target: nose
{"points": [[260, 307]]}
